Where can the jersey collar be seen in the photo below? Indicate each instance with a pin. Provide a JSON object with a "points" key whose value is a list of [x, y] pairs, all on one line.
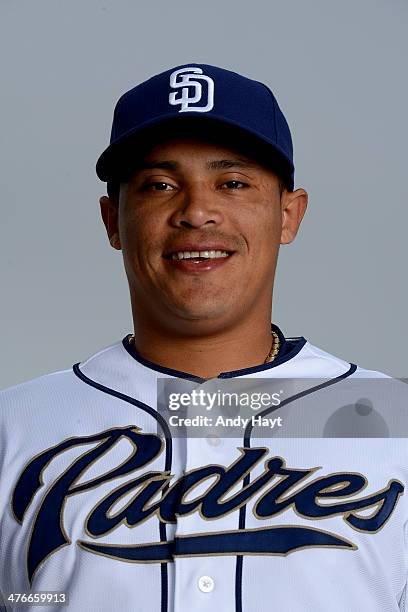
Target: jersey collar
{"points": [[289, 347]]}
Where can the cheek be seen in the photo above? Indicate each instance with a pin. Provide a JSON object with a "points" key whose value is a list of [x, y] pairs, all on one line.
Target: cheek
{"points": [[136, 227], [262, 228], [272, 220], [141, 235]]}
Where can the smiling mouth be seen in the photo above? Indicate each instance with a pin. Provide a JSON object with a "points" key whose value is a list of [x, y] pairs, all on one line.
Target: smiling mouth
{"points": [[198, 255], [197, 262]]}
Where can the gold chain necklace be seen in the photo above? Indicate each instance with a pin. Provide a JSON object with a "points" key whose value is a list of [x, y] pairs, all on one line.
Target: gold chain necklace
{"points": [[274, 348], [270, 356]]}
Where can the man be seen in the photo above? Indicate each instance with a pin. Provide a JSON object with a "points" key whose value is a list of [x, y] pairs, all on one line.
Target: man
{"points": [[102, 503]]}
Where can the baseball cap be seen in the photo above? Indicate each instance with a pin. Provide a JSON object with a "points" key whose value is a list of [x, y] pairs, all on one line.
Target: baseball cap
{"points": [[206, 97]]}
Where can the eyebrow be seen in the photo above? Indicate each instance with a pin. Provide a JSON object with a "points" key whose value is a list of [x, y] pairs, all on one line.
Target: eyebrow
{"points": [[216, 164]]}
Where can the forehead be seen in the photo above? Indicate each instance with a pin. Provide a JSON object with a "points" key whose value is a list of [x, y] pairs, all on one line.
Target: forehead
{"points": [[193, 144], [190, 154], [196, 148]]}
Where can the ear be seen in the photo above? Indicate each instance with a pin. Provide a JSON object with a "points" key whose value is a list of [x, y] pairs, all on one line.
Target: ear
{"points": [[294, 204], [109, 212]]}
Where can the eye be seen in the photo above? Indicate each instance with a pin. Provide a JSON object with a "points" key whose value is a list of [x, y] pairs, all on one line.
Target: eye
{"points": [[234, 185], [158, 186]]}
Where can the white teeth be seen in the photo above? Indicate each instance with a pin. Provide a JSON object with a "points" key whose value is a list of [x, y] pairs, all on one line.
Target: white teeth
{"points": [[201, 254]]}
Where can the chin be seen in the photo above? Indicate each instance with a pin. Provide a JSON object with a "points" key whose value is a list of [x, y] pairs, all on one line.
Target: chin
{"points": [[200, 314], [206, 313]]}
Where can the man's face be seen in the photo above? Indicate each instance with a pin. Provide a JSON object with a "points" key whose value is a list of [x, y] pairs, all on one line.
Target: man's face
{"points": [[191, 196]]}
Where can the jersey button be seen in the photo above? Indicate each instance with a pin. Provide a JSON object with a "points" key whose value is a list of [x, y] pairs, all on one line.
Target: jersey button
{"points": [[213, 440], [206, 584]]}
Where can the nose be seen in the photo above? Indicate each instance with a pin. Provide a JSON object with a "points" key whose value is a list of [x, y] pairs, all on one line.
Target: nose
{"points": [[197, 207]]}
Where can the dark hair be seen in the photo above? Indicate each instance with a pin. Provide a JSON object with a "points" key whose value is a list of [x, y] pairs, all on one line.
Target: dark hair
{"points": [[113, 188]]}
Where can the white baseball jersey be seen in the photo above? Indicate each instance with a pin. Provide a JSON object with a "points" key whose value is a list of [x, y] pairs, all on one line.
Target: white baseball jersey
{"points": [[99, 501]]}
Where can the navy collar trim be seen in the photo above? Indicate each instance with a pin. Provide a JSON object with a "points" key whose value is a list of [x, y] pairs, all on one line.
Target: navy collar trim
{"points": [[288, 350]]}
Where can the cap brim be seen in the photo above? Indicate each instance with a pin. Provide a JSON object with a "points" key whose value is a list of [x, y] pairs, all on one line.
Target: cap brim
{"points": [[117, 161]]}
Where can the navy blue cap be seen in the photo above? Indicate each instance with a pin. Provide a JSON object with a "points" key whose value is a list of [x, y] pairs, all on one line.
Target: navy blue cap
{"points": [[205, 95]]}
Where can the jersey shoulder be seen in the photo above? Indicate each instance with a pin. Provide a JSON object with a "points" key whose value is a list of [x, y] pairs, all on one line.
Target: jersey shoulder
{"points": [[321, 360], [48, 388]]}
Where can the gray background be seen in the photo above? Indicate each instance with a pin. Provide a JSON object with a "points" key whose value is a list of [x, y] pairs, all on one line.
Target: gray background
{"points": [[339, 72]]}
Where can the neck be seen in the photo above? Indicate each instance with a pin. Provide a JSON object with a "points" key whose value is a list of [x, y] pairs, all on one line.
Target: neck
{"points": [[238, 346]]}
